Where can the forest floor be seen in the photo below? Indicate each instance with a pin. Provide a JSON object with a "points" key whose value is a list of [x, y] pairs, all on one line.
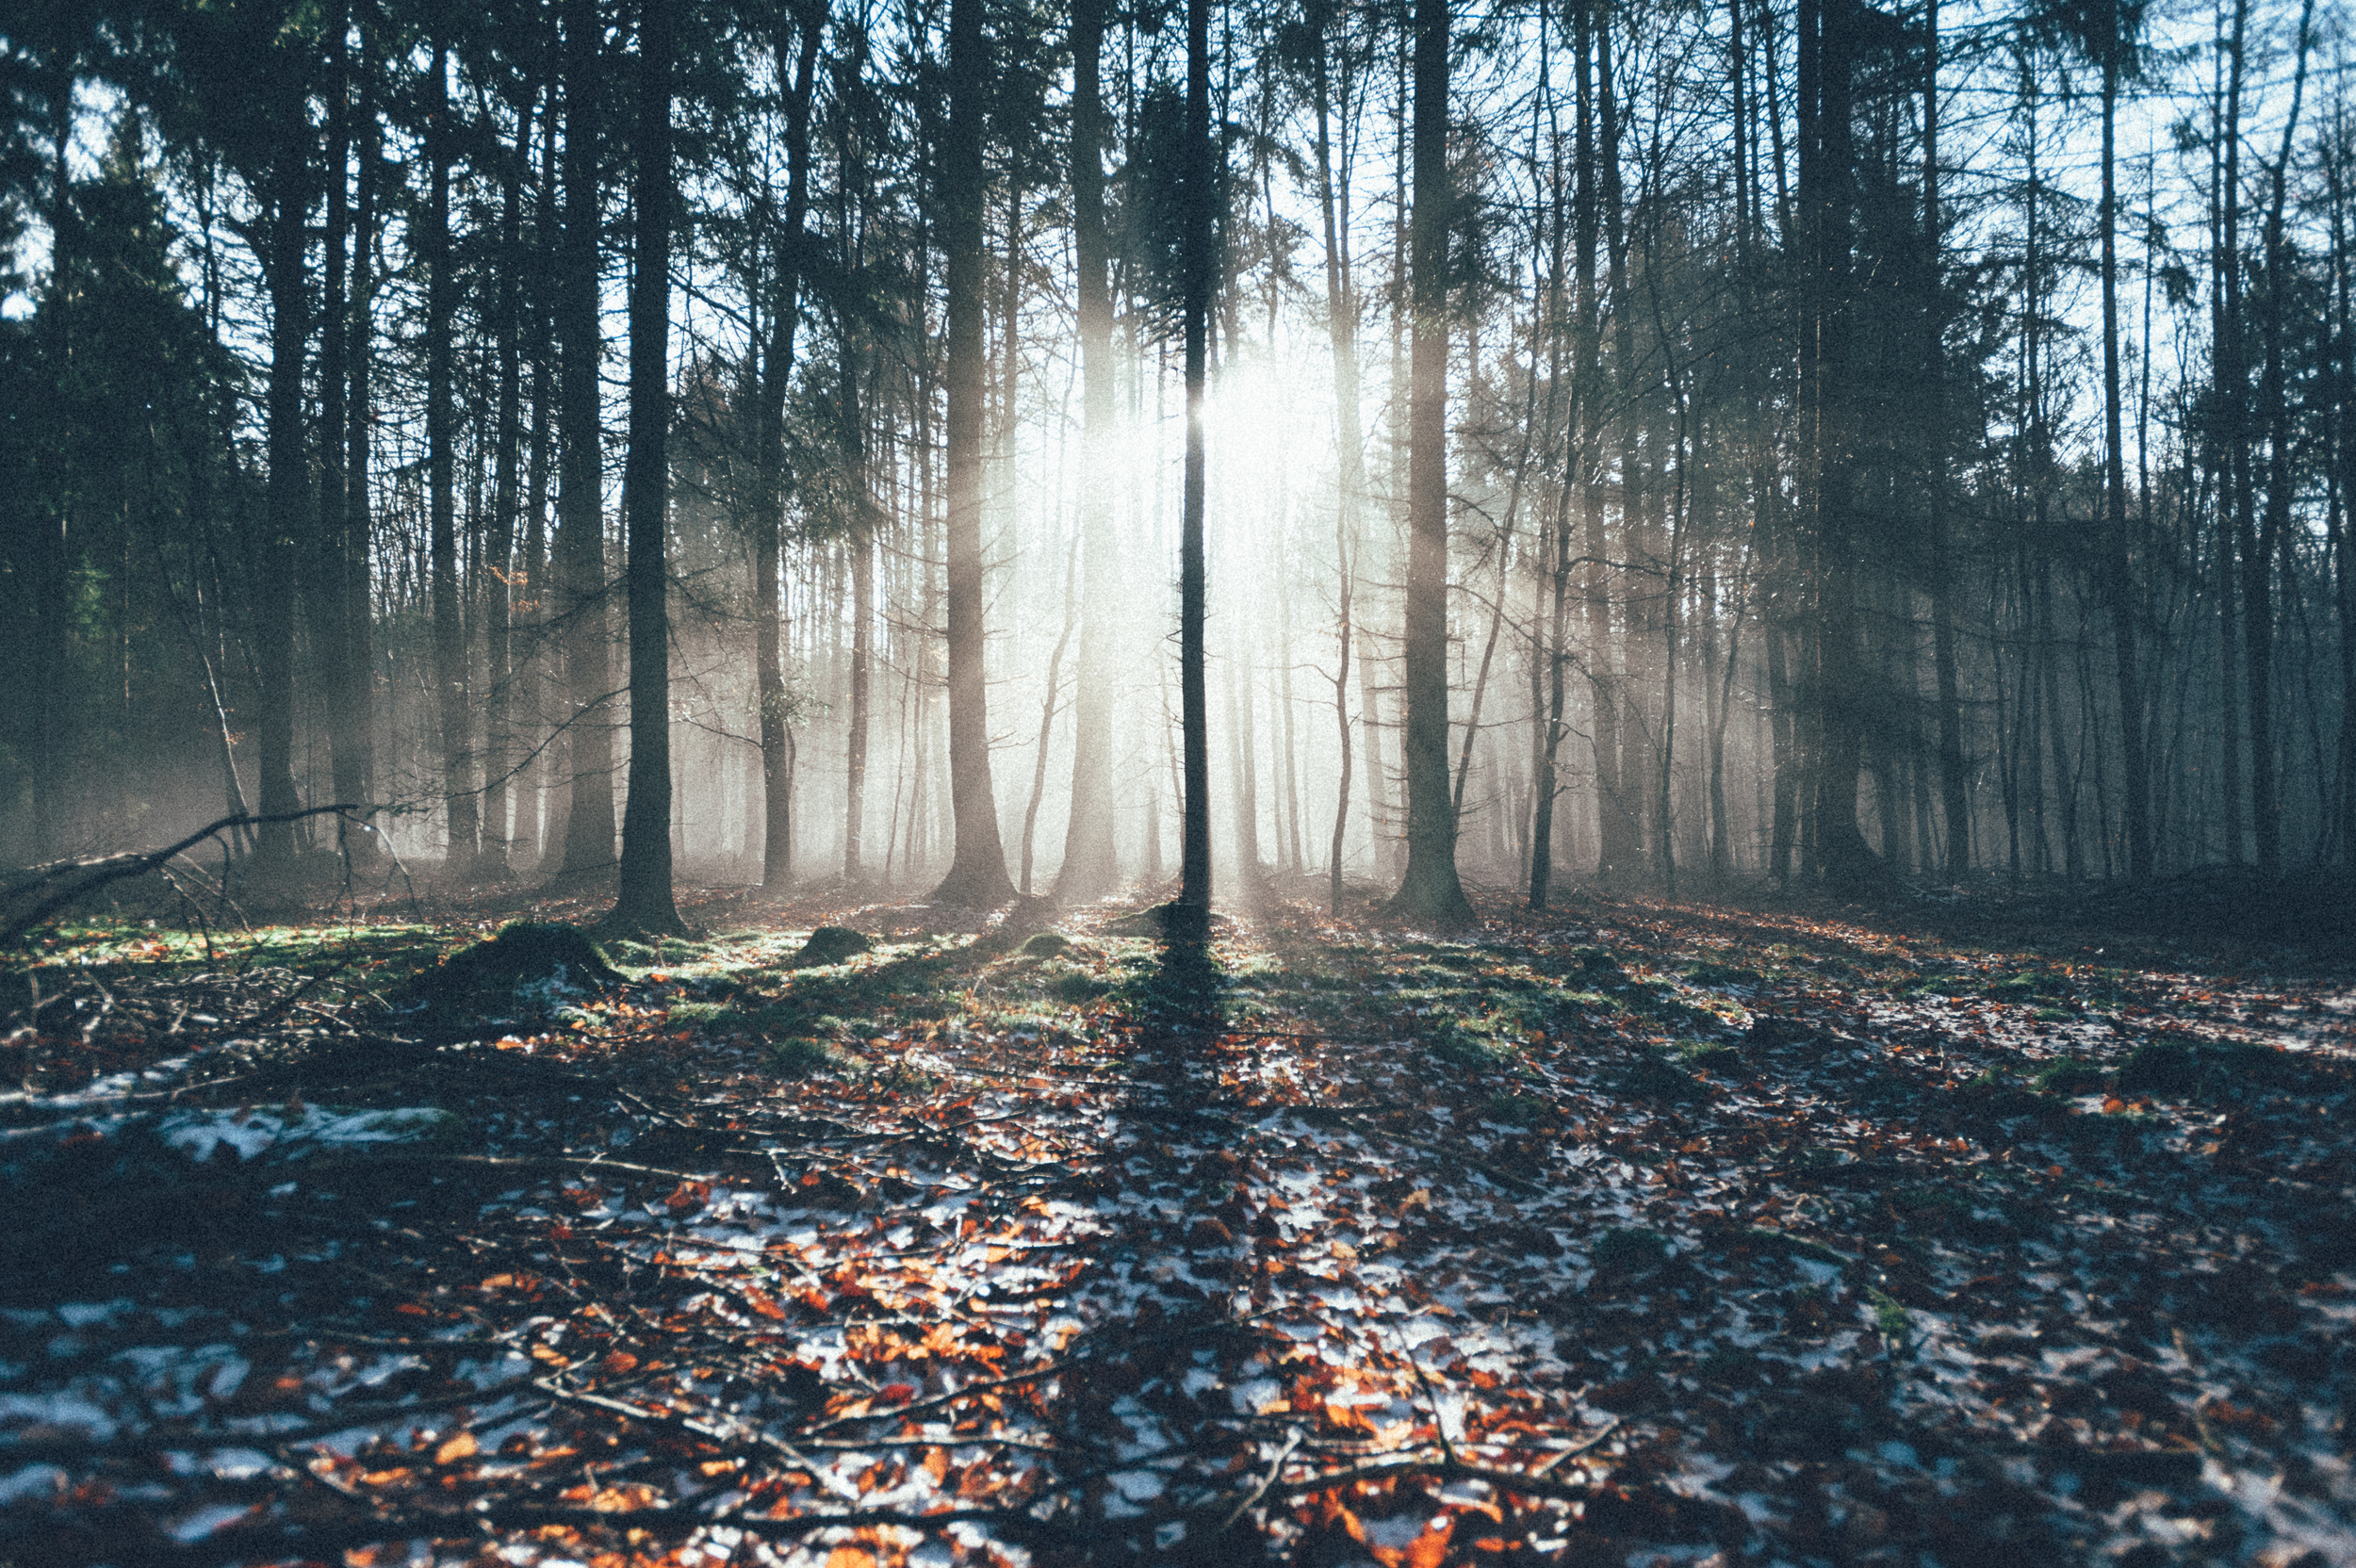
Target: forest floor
{"points": [[1951, 1230]]}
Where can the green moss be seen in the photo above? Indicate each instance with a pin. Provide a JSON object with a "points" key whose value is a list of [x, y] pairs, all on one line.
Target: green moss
{"points": [[1714, 973], [1628, 1249], [2070, 1075], [1889, 1316], [799, 1058], [1652, 1077], [1710, 1056]]}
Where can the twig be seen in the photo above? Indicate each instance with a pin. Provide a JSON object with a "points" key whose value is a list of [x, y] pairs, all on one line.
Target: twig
{"points": [[1274, 1470], [1526, 1482], [115, 868]]}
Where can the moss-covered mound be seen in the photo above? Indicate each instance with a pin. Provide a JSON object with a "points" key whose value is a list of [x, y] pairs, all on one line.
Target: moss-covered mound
{"points": [[526, 971], [831, 944]]}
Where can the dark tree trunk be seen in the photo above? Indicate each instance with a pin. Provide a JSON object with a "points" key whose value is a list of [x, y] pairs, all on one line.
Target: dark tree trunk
{"points": [[2118, 563], [1429, 891], [324, 586], [1955, 802], [284, 504], [977, 873], [1825, 37], [2265, 803], [784, 306], [1341, 325], [354, 746], [1190, 916], [506, 493], [460, 802], [581, 501], [1089, 867], [642, 897]]}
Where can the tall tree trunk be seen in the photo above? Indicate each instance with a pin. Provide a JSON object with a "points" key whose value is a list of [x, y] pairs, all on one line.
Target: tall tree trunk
{"points": [[2231, 392], [1089, 866], [2118, 565], [1429, 891], [2265, 805], [461, 804], [784, 310], [581, 498], [978, 874], [1189, 915], [284, 504], [324, 581], [642, 897], [355, 744], [540, 669], [1955, 803], [506, 490], [1841, 852], [1580, 478]]}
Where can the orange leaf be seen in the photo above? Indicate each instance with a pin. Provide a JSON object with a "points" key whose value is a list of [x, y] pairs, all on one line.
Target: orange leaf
{"points": [[850, 1557], [1429, 1549], [461, 1446], [761, 1304]]}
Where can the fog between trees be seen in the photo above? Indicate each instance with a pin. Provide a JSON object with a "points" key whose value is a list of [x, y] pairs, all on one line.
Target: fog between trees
{"points": [[1677, 445]]}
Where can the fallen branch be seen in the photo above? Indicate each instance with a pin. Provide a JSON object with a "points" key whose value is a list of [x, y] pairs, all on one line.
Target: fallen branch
{"points": [[107, 869]]}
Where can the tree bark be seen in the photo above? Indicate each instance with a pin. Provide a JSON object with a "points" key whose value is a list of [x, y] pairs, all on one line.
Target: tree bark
{"points": [[784, 308], [506, 490], [581, 498], [2265, 805], [1841, 852], [284, 503], [1189, 915], [2118, 558], [461, 804], [642, 898], [1429, 891], [1089, 866], [328, 602], [977, 873]]}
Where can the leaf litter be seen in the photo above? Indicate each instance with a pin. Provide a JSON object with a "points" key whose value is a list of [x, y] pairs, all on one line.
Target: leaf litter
{"points": [[1634, 1234]]}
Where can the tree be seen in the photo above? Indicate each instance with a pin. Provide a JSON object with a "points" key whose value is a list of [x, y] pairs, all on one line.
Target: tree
{"points": [[642, 898], [1430, 889], [460, 802], [1189, 915], [1089, 865], [588, 837], [784, 312], [978, 875]]}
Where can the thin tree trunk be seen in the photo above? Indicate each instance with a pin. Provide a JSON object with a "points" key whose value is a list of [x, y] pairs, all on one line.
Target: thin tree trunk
{"points": [[461, 804], [505, 493], [2117, 560], [290, 482], [1047, 712], [329, 602], [1189, 917]]}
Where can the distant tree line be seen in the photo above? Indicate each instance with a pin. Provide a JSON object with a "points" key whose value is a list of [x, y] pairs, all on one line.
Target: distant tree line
{"points": [[979, 447]]}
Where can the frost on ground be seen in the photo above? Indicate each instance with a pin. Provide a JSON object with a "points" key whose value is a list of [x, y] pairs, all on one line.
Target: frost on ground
{"points": [[1631, 1234]]}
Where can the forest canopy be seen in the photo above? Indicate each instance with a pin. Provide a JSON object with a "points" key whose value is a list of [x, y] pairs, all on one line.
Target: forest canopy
{"points": [[1038, 446]]}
